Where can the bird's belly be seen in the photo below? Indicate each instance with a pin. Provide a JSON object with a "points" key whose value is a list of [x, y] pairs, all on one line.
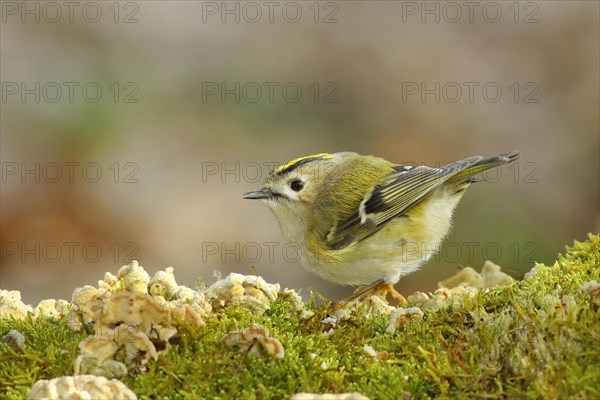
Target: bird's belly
{"points": [[372, 258], [399, 248]]}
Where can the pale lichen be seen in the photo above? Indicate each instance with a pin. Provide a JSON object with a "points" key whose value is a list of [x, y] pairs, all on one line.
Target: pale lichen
{"points": [[15, 340], [329, 396], [377, 304], [163, 284], [80, 387], [254, 340], [294, 298], [306, 314], [536, 269], [464, 275], [130, 324], [592, 289], [370, 350], [127, 323], [51, 308], [185, 299], [250, 292], [111, 283], [134, 277], [12, 306], [342, 314], [491, 276], [456, 297], [87, 303], [400, 317], [417, 299], [379, 355]]}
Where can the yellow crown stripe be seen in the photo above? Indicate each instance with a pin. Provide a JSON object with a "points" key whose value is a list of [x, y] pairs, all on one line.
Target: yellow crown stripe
{"points": [[302, 160]]}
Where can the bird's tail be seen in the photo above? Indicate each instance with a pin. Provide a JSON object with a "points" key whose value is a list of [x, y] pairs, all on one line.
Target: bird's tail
{"points": [[467, 170]]}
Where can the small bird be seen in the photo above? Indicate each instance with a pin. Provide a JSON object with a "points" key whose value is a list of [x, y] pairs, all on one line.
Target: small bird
{"points": [[364, 221]]}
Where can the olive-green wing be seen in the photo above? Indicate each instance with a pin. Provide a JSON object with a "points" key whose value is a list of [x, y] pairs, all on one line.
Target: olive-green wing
{"points": [[399, 192]]}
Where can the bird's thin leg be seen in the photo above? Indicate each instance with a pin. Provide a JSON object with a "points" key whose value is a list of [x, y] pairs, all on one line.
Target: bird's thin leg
{"points": [[361, 291]]}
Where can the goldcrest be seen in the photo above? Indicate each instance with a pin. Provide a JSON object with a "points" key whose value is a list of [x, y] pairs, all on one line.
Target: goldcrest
{"points": [[362, 220]]}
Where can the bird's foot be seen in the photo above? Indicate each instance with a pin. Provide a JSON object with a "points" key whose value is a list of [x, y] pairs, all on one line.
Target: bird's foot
{"points": [[387, 288], [379, 287]]}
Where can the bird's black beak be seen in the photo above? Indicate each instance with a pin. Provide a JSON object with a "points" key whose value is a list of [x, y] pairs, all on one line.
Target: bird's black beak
{"points": [[264, 193]]}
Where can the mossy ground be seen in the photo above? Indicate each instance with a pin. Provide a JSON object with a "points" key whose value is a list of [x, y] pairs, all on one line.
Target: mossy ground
{"points": [[539, 338]]}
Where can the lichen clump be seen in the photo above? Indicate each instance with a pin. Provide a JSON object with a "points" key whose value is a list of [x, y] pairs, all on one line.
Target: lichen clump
{"points": [[128, 326], [250, 292], [15, 340], [490, 276], [11, 305], [133, 318], [80, 387], [254, 340]]}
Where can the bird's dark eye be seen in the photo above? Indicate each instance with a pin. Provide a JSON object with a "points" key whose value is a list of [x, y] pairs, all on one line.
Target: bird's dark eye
{"points": [[296, 185]]}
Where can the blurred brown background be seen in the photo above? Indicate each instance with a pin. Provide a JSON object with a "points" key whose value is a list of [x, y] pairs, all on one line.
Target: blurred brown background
{"points": [[124, 135]]}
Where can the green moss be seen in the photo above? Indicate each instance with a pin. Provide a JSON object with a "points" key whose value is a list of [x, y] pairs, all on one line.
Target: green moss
{"points": [[51, 348], [538, 338]]}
